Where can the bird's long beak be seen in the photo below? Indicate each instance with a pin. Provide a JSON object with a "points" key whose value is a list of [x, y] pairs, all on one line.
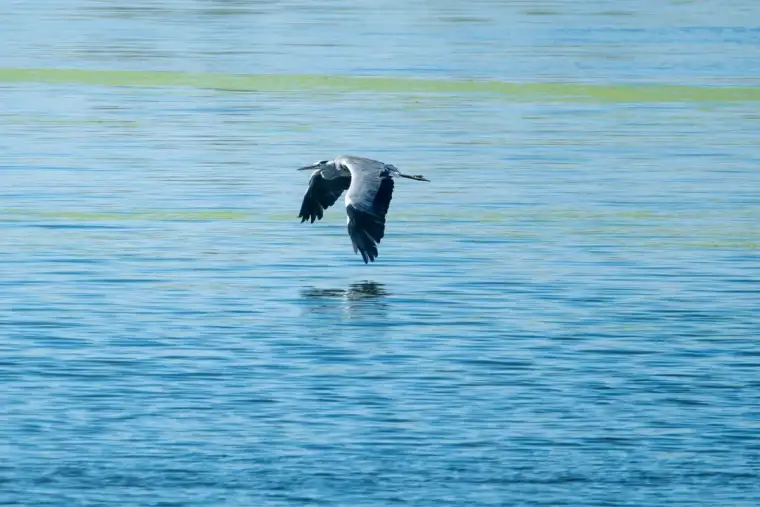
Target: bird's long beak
{"points": [[417, 177], [308, 168]]}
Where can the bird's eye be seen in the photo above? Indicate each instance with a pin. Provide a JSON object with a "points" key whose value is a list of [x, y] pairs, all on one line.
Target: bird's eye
{"points": [[322, 162]]}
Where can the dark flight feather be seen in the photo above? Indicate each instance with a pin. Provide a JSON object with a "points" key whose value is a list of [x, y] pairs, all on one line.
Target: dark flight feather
{"points": [[367, 228], [321, 194]]}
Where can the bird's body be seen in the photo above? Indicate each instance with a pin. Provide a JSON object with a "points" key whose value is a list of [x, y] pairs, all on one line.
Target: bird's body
{"points": [[369, 187]]}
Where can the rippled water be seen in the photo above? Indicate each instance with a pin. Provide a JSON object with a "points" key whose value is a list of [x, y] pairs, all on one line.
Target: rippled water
{"points": [[566, 315]]}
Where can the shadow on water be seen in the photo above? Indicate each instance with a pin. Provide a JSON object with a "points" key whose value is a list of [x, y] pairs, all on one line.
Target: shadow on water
{"points": [[355, 292], [366, 298]]}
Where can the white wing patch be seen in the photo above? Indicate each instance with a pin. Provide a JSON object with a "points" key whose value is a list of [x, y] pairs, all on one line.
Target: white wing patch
{"points": [[365, 181]]}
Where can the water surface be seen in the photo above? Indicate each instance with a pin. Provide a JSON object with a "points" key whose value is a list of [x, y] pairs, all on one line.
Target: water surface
{"points": [[565, 315]]}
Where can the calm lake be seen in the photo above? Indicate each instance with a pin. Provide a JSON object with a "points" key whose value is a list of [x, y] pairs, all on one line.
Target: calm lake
{"points": [[567, 314]]}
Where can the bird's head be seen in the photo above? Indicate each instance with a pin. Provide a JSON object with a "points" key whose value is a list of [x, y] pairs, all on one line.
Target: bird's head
{"points": [[313, 167]]}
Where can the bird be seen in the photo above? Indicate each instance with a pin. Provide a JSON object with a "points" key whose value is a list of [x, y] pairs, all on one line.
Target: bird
{"points": [[369, 186]]}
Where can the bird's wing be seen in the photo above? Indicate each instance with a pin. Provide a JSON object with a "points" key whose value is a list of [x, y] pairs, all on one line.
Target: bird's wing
{"points": [[325, 186], [367, 204]]}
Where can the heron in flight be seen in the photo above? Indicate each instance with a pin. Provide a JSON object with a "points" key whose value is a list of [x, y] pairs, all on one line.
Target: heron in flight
{"points": [[369, 185]]}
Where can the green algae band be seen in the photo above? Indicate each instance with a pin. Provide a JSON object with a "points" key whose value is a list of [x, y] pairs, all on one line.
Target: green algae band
{"points": [[569, 92]]}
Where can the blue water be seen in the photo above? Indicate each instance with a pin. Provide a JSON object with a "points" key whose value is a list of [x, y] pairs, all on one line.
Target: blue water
{"points": [[567, 314]]}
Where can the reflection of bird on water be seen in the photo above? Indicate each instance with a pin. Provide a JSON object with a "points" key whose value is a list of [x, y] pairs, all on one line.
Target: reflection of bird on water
{"points": [[356, 291], [368, 185], [365, 302]]}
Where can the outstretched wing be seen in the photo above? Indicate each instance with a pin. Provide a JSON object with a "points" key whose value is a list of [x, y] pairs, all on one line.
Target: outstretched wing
{"points": [[367, 208], [325, 186]]}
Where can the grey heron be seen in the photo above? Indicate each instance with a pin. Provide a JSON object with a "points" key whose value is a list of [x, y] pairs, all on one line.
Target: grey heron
{"points": [[369, 186]]}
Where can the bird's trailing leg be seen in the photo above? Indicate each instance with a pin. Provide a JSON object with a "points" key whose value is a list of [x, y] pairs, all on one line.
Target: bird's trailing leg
{"points": [[394, 170], [417, 177]]}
